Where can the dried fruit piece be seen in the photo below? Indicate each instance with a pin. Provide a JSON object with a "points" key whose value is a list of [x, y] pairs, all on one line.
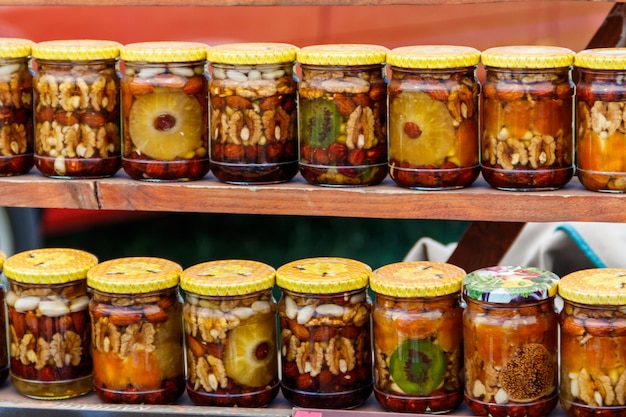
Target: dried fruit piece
{"points": [[250, 357], [418, 366], [321, 122]]}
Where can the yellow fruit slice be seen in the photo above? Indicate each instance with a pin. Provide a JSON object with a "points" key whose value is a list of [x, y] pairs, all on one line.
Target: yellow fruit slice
{"points": [[166, 125], [434, 136]]}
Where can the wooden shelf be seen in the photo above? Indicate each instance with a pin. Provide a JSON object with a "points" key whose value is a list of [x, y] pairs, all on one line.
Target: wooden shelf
{"points": [[478, 202]]}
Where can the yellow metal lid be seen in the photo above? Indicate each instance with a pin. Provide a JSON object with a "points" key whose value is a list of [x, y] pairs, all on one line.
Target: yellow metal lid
{"points": [[76, 50], [164, 51], [528, 57], [323, 275], [134, 275], [342, 54], [227, 277], [598, 286], [15, 47], [417, 279], [602, 58], [2, 258], [252, 53], [49, 266], [433, 56]]}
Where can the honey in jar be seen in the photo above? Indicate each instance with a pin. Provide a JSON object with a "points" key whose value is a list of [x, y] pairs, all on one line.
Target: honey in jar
{"points": [[510, 335], [230, 331], [136, 318], [527, 141], [49, 326], [418, 343], [325, 346]]}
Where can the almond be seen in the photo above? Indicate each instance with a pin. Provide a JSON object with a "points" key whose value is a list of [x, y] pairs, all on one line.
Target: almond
{"points": [[217, 102], [270, 102], [323, 334], [194, 85], [356, 157], [166, 302], [48, 329], [124, 316], [344, 104], [18, 322], [215, 349], [64, 323], [32, 323], [320, 157], [299, 330], [510, 92], [92, 119], [573, 326], [437, 91], [66, 118], [154, 314], [350, 332], [79, 318], [362, 100], [139, 87], [195, 346], [233, 153], [45, 114], [378, 91], [238, 103], [338, 152]]}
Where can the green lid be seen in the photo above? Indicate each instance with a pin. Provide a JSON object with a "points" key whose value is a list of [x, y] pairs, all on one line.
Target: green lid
{"points": [[510, 284]]}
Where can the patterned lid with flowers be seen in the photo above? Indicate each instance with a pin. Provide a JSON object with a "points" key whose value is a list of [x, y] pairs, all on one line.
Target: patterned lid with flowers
{"points": [[252, 53], [510, 284], [597, 286], [227, 277], [528, 57], [433, 56], [164, 51], [15, 47], [342, 54], [325, 275], [134, 275], [602, 59], [417, 279], [76, 50], [49, 266]]}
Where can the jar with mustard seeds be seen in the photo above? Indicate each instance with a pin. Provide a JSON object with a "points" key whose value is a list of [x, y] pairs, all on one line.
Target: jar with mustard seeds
{"points": [[433, 116], [136, 318], [77, 108], [4, 352], [600, 120], [165, 111], [254, 132], [418, 339], [510, 337], [593, 342], [230, 330], [16, 99], [342, 114], [527, 140], [324, 322], [49, 326]]}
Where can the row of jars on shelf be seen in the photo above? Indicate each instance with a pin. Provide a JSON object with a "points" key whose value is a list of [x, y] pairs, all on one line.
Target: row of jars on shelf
{"points": [[433, 336], [346, 120]]}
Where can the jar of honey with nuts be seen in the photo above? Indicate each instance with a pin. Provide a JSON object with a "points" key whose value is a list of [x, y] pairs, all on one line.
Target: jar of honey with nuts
{"points": [[136, 319], [600, 120], [510, 334], [593, 342], [77, 108], [433, 116], [4, 353], [527, 141], [254, 133], [16, 116], [325, 348], [230, 331], [343, 114], [49, 328], [165, 111], [418, 343]]}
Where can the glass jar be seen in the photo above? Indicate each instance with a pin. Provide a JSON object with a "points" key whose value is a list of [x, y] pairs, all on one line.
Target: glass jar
{"points": [[324, 317], [342, 114], [418, 345], [230, 331], [253, 113], [593, 342], [16, 113], [136, 318], [77, 108], [433, 116], [49, 330], [510, 333], [165, 111], [600, 122], [4, 353], [527, 140]]}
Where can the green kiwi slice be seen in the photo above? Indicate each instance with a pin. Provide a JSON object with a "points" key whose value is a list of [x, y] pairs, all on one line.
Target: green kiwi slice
{"points": [[418, 366], [321, 122]]}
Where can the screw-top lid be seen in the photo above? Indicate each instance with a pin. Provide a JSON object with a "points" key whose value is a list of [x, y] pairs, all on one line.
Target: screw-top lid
{"points": [[528, 57], [227, 277], [134, 275], [417, 279], [76, 50], [598, 286], [602, 58], [15, 47], [510, 284], [49, 266], [325, 275], [433, 56], [252, 53], [342, 54], [164, 51]]}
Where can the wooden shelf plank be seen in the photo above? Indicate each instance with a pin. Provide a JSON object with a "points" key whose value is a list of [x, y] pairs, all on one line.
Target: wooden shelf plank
{"points": [[34, 190]]}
